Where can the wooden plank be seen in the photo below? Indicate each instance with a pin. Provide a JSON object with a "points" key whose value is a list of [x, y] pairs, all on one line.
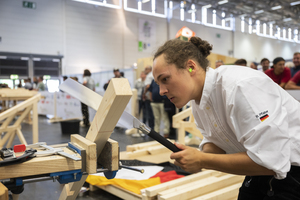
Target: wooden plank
{"points": [[3, 192], [154, 190], [110, 110], [200, 187], [226, 193], [90, 148], [35, 122], [40, 165], [109, 156], [120, 192]]}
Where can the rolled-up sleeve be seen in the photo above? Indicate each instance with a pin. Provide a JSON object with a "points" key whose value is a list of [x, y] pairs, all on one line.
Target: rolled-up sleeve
{"points": [[260, 123]]}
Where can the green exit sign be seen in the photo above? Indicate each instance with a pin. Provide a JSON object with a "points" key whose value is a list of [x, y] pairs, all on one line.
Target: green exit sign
{"points": [[28, 4]]}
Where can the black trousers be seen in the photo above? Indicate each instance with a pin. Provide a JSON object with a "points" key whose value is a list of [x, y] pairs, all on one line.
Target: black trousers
{"points": [[269, 188], [85, 114]]}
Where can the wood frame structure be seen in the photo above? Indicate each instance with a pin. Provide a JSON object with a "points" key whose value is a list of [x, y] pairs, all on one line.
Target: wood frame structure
{"points": [[12, 130], [189, 126]]}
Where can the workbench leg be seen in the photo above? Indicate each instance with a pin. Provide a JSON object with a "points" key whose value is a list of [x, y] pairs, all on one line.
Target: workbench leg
{"points": [[71, 190], [35, 121]]}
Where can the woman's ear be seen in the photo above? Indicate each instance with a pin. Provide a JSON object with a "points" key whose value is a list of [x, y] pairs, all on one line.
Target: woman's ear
{"points": [[191, 66]]}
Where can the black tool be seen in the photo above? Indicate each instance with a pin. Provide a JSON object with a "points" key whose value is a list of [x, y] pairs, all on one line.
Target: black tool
{"points": [[151, 133]]}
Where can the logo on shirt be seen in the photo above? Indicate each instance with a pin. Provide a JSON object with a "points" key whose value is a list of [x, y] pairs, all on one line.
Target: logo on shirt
{"points": [[262, 116]]}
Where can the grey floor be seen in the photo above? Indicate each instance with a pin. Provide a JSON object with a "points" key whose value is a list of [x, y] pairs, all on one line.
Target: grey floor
{"points": [[52, 134]]}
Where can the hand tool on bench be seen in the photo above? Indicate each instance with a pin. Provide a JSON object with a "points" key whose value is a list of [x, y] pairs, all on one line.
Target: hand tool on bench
{"points": [[93, 100]]}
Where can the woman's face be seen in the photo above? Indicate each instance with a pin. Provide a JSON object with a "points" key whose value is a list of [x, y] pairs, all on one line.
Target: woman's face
{"points": [[176, 84], [279, 67]]}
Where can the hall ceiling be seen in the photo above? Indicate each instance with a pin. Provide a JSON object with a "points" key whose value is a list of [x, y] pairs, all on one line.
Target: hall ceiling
{"points": [[287, 16]]}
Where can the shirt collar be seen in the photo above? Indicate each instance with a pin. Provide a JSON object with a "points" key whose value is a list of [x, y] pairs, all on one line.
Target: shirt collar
{"points": [[208, 86]]}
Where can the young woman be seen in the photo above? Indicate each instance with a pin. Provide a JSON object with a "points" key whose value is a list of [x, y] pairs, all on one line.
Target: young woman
{"points": [[250, 125]]}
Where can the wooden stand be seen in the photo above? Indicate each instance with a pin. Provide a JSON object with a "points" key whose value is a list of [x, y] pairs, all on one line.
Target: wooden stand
{"points": [[12, 130], [189, 126]]}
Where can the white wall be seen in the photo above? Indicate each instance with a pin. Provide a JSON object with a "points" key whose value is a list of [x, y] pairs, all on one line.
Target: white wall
{"points": [[101, 38]]}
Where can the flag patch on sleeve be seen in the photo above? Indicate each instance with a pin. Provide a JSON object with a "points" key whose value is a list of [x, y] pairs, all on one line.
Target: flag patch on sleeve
{"points": [[263, 118]]}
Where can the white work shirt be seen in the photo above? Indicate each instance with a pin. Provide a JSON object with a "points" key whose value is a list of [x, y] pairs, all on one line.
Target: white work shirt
{"points": [[243, 110]]}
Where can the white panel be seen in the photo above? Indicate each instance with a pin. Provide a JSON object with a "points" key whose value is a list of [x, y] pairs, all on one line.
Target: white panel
{"points": [[31, 30]]}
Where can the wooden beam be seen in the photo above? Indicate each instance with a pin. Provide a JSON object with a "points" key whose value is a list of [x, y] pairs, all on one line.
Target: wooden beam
{"points": [[226, 193], [109, 112], [90, 149], [200, 187], [3, 192], [40, 165], [154, 190]]}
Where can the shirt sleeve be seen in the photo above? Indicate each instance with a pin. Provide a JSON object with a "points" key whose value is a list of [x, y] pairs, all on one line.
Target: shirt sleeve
{"points": [[286, 76], [296, 78], [260, 123]]}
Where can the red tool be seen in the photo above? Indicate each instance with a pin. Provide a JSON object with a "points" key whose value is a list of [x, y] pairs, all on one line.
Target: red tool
{"points": [[19, 148]]}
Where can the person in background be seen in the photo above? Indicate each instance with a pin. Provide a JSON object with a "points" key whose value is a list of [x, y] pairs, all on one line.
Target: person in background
{"points": [[296, 61], [139, 86], [254, 65], [219, 63], [147, 112], [157, 104], [20, 84], [241, 62], [250, 126], [278, 72], [294, 82], [27, 85], [40, 86], [35, 82], [117, 74], [122, 75], [89, 83], [265, 63]]}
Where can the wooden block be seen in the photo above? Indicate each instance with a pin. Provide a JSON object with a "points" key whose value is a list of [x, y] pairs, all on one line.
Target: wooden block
{"points": [[3, 192], [226, 193], [90, 148], [109, 112], [154, 190], [158, 150], [200, 187], [109, 157], [40, 165]]}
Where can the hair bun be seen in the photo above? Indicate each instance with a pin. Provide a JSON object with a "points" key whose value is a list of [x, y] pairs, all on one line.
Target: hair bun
{"points": [[203, 46]]}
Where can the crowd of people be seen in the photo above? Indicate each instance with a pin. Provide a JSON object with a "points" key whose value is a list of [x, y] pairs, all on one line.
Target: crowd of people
{"points": [[285, 74], [37, 84]]}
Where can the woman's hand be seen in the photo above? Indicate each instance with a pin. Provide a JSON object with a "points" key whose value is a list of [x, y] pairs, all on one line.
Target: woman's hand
{"points": [[189, 159]]}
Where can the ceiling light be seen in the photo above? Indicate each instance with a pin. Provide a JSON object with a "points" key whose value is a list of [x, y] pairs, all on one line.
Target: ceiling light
{"points": [[24, 58], [145, 1], [258, 11], [3, 57], [295, 3], [207, 6], [222, 2], [287, 19], [276, 7]]}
